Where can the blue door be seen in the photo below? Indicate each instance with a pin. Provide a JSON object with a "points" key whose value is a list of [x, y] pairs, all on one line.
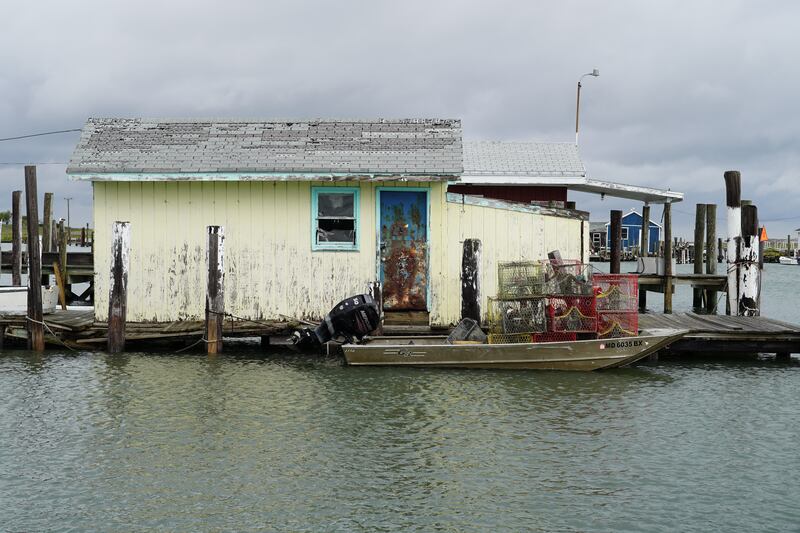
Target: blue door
{"points": [[403, 247]]}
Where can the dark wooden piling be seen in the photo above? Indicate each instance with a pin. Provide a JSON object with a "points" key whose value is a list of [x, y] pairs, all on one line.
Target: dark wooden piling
{"points": [[644, 243], [47, 216], [749, 271], [83, 237], [16, 239], [471, 280], [35, 323], [215, 291], [47, 219], [616, 240], [118, 286], [789, 245], [711, 254], [720, 251], [644, 251], [375, 289], [699, 237], [62, 252], [667, 258], [53, 236]]}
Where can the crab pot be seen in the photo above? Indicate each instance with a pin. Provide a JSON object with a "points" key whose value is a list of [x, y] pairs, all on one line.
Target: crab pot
{"points": [[522, 279], [574, 314], [524, 315], [616, 292], [617, 324], [571, 278], [555, 336]]}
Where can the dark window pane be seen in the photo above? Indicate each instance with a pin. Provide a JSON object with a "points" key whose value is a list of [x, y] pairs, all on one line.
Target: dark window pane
{"points": [[334, 204], [339, 230]]}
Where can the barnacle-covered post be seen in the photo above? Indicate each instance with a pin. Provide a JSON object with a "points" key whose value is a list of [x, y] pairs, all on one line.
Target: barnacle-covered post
{"points": [[118, 289]]}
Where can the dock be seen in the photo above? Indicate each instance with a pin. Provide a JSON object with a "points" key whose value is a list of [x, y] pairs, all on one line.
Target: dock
{"points": [[77, 329], [725, 334]]}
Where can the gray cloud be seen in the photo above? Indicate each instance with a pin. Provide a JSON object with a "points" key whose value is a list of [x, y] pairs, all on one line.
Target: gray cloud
{"points": [[687, 90]]}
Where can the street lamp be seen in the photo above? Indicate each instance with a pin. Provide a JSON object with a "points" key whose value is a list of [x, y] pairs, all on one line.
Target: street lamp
{"points": [[595, 73]]}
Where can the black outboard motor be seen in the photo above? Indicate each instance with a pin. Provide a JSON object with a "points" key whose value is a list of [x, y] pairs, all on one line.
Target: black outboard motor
{"points": [[352, 318]]}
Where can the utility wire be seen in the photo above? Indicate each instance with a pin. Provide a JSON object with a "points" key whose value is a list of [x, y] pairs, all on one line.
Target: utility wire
{"points": [[38, 134], [33, 163]]}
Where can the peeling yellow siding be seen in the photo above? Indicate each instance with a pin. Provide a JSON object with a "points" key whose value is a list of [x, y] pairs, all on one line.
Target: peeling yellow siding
{"points": [[270, 269], [505, 236]]}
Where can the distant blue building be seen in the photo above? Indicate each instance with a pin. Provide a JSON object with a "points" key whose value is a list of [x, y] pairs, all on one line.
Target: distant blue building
{"points": [[632, 232]]}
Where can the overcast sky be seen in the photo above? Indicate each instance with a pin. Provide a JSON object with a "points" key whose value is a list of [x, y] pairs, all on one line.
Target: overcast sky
{"points": [[687, 89]]}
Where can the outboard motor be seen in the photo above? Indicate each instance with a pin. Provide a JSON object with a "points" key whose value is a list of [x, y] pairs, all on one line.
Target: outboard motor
{"points": [[352, 318]]}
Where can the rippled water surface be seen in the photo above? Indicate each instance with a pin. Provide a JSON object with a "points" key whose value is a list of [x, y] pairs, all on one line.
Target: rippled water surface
{"points": [[254, 442], [257, 442]]}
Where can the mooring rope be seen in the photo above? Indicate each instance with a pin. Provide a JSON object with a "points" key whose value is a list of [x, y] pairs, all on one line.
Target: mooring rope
{"points": [[43, 323]]}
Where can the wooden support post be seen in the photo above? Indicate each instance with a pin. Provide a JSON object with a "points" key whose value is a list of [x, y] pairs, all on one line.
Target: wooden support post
{"points": [[62, 252], [644, 243], [711, 254], [699, 246], [789, 245], [47, 219], [118, 285], [471, 280], [749, 273], [720, 251], [54, 236], [644, 251], [62, 295], [16, 239], [35, 322], [667, 258], [733, 200], [616, 240], [375, 289], [215, 290], [83, 237]]}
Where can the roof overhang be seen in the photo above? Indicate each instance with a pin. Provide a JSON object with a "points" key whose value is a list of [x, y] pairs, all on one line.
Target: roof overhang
{"points": [[631, 192]]}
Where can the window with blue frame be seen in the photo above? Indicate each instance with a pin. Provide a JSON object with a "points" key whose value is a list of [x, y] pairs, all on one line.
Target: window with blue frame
{"points": [[334, 223]]}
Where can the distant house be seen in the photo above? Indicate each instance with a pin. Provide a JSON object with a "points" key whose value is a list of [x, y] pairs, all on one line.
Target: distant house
{"points": [[597, 235], [632, 232]]}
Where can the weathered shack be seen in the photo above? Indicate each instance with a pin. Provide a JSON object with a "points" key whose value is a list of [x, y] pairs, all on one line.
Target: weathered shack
{"points": [[312, 211]]}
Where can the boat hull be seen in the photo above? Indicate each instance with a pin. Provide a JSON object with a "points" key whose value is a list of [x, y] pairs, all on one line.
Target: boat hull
{"points": [[788, 260], [576, 355]]}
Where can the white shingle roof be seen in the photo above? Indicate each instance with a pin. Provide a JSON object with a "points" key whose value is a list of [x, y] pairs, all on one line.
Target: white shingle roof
{"points": [[380, 146], [528, 159]]}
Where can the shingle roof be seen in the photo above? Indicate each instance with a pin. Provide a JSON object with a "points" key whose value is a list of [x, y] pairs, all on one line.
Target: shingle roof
{"points": [[381, 146], [528, 159]]}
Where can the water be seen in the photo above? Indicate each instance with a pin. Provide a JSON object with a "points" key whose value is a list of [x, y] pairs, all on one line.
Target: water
{"points": [[259, 442]]}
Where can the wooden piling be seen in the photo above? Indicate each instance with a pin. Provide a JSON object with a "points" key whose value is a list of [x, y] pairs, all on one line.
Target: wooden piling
{"points": [[749, 272], [83, 237], [118, 286], [711, 254], [471, 280], [733, 201], [644, 242], [644, 251], [215, 290], [54, 236], [616, 240], [789, 245], [35, 322], [667, 258], [16, 239], [375, 289], [47, 219], [62, 252], [720, 251], [699, 246]]}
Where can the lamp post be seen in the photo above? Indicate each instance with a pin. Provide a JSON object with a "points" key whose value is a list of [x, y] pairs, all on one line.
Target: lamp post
{"points": [[595, 73]]}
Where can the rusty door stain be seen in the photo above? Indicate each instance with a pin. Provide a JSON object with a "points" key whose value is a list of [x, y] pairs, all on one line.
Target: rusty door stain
{"points": [[404, 249]]}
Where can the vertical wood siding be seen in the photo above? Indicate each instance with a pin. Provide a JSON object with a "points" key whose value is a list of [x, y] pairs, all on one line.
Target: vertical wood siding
{"points": [[270, 269]]}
